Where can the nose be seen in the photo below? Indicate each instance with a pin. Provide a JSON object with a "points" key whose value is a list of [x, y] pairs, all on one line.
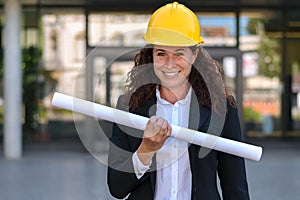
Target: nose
{"points": [[170, 62]]}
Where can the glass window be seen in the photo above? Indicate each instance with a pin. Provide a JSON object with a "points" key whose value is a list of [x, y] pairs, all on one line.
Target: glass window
{"points": [[63, 58], [117, 77], [218, 29], [293, 63], [99, 79], [229, 68], [117, 29], [260, 43]]}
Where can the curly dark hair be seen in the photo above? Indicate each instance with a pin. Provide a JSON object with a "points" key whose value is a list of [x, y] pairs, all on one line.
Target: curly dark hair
{"points": [[205, 78]]}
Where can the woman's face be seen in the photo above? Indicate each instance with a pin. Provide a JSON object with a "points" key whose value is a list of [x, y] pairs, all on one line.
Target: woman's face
{"points": [[172, 65]]}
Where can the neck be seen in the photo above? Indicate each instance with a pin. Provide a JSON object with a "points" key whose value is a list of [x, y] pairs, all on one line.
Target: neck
{"points": [[173, 95]]}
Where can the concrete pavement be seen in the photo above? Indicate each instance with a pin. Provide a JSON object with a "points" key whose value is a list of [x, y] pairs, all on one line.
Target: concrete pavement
{"points": [[64, 170]]}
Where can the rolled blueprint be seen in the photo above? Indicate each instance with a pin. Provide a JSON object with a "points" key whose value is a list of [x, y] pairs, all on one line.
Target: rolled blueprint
{"points": [[107, 113]]}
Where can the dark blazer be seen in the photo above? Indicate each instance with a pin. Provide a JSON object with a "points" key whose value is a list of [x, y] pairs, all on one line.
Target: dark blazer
{"points": [[122, 181]]}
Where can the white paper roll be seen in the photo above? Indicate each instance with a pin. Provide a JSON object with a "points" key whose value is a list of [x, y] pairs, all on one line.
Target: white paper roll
{"points": [[139, 122]]}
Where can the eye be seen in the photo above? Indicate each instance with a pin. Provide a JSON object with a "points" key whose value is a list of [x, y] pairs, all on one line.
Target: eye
{"points": [[179, 54], [160, 53]]}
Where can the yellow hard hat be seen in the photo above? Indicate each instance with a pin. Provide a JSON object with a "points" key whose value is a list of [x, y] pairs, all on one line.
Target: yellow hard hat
{"points": [[173, 25]]}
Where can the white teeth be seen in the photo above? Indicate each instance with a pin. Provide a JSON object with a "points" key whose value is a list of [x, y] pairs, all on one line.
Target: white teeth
{"points": [[171, 73]]}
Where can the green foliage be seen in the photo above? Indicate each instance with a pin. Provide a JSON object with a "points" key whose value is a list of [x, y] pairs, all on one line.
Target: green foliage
{"points": [[30, 64], [250, 115], [1, 63], [1, 113], [268, 49], [252, 26], [269, 58]]}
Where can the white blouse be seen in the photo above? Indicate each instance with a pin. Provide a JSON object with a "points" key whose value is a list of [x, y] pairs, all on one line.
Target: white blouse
{"points": [[173, 178]]}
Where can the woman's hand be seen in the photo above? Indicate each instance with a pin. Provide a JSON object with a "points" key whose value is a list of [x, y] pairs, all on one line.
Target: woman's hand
{"points": [[155, 134]]}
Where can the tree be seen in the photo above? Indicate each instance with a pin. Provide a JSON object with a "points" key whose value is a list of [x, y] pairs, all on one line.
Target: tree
{"points": [[269, 58], [31, 59]]}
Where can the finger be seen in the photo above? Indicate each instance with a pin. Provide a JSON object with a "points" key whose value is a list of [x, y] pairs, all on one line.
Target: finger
{"points": [[160, 121], [164, 128], [152, 120], [165, 124], [152, 123], [158, 124], [149, 130], [169, 131]]}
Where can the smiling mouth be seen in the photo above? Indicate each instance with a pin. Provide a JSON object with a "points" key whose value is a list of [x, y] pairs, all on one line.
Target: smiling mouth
{"points": [[171, 74]]}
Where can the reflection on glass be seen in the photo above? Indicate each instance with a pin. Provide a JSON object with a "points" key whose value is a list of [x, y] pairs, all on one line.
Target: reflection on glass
{"points": [[117, 29], [118, 77], [261, 72], [229, 68], [294, 61], [218, 29]]}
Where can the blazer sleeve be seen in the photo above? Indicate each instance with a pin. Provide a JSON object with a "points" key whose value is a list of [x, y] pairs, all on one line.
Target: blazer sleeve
{"points": [[231, 169], [121, 178]]}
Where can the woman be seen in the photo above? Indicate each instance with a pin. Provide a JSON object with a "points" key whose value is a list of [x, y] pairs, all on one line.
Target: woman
{"points": [[175, 82]]}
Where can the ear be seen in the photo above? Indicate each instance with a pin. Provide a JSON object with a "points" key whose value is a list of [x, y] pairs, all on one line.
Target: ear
{"points": [[194, 56]]}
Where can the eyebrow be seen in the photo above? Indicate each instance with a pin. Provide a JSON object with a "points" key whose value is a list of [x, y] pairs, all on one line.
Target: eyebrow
{"points": [[167, 50]]}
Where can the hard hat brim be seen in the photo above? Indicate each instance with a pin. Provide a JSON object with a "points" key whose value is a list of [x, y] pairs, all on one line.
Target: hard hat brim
{"points": [[166, 37]]}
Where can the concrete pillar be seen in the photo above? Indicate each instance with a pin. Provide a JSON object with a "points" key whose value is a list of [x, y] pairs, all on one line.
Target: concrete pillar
{"points": [[12, 80]]}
